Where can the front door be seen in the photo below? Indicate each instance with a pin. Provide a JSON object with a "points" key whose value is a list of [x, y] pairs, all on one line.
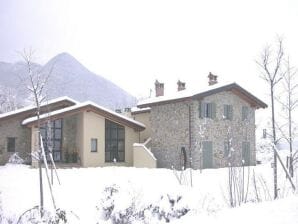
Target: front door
{"points": [[207, 154], [51, 133]]}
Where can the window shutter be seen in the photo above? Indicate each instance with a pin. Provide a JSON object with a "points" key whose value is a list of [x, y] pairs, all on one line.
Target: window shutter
{"points": [[231, 113], [226, 149], [202, 110], [213, 110], [244, 113]]}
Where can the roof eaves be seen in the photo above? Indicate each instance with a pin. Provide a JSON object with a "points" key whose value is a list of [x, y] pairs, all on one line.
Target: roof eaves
{"points": [[86, 105]]}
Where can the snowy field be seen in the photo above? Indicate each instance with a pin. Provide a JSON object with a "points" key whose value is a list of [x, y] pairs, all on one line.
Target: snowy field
{"points": [[81, 194]]}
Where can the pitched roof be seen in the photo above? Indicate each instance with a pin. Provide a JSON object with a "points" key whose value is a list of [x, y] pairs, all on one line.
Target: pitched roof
{"points": [[89, 106], [31, 109], [188, 94]]}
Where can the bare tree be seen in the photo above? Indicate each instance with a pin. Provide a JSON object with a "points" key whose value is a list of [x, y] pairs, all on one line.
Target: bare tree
{"points": [[289, 104], [35, 81], [270, 63], [8, 99]]}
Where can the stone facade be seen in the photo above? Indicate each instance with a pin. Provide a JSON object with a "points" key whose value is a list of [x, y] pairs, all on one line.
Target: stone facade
{"points": [[171, 122], [13, 128]]}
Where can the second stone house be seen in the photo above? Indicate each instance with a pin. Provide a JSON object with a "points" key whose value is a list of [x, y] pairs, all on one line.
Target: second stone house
{"points": [[210, 128]]}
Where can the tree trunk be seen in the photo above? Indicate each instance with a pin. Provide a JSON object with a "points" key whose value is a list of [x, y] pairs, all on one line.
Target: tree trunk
{"points": [[274, 141]]}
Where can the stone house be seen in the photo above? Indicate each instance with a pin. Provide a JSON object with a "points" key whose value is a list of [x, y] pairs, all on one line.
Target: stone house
{"points": [[85, 134], [212, 127]]}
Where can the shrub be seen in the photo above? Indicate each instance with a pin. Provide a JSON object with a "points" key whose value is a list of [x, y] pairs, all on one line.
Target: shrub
{"points": [[112, 208]]}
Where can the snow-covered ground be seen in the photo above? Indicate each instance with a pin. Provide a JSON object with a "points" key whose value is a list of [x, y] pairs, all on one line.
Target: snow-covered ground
{"points": [[81, 194]]}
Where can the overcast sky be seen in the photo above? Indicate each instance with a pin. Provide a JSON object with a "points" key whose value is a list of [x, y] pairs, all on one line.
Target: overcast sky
{"points": [[133, 43]]}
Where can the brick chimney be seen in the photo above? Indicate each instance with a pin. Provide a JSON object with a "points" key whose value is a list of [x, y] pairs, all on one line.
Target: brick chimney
{"points": [[212, 79], [180, 85], [159, 88]]}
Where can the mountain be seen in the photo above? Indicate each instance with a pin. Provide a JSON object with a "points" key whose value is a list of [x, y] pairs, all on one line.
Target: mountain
{"points": [[68, 77]]}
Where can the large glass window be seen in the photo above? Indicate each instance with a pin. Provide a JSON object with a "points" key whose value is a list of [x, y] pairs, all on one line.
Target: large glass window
{"points": [[51, 133], [114, 142]]}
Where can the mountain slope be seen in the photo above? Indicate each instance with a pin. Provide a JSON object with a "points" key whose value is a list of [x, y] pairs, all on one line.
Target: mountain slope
{"points": [[69, 78]]}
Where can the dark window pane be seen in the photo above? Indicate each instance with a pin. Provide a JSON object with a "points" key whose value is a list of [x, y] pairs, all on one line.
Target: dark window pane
{"points": [[121, 157], [93, 144], [121, 133], [114, 133], [121, 146], [58, 123], [58, 133], [57, 145], [43, 132], [11, 144]]}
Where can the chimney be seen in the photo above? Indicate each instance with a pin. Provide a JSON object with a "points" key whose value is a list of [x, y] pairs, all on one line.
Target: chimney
{"points": [[212, 79], [159, 88], [181, 85]]}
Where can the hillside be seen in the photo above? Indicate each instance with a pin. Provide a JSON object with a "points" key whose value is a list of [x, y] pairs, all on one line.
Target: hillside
{"points": [[68, 78]]}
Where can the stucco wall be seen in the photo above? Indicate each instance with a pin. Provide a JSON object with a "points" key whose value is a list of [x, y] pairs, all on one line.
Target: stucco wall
{"points": [[145, 119], [13, 128], [170, 127], [94, 127], [143, 157]]}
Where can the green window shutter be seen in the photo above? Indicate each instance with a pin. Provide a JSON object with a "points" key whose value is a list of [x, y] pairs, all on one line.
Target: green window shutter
{"points": [[228, 112], [202, 110], [225, 111], [213, 110], [231, 112], [246, 153], [244, 113], [226, 149]]}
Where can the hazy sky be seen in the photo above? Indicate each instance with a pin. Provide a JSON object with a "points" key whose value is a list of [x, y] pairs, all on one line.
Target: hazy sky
{"points": [[133, 43]]}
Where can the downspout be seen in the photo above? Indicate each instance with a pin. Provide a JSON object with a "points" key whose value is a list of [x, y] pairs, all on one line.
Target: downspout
{"points": [[190, 149]]}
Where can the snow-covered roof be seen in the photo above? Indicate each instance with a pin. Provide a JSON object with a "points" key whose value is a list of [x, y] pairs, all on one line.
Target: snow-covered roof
{"points": [[81, 106], [208, 90], [31, 107], [136, 110]]}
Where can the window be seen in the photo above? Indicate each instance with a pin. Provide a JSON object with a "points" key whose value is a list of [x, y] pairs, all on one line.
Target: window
{"points": [[114, 142], [228, 112], [244, 113], [227, 149], [11, 144], [207, 110], [93, 144], [246, 153], [51, 133]]}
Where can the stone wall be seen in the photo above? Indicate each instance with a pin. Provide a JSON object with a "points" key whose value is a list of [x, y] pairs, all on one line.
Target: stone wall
{"points": [[170, 128], [13, 128], [219, 130]]}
